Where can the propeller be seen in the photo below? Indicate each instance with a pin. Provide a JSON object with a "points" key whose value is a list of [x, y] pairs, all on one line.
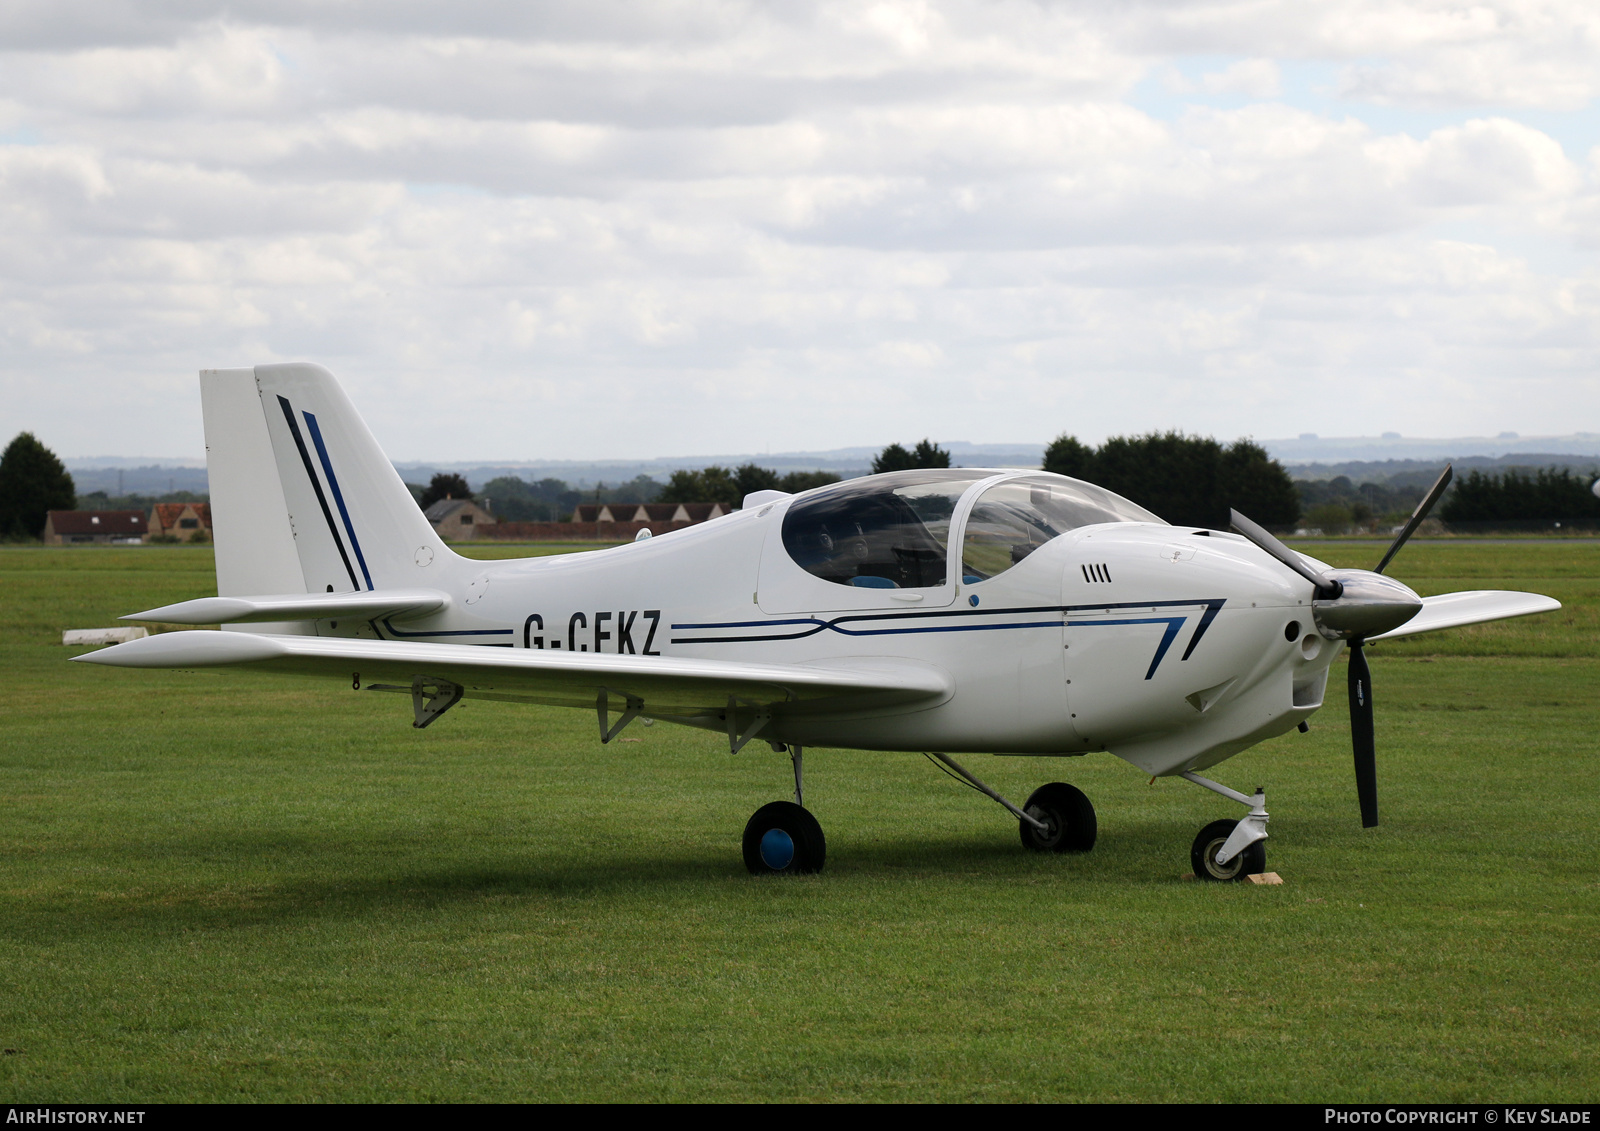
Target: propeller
{"points": [[1353, 605]]}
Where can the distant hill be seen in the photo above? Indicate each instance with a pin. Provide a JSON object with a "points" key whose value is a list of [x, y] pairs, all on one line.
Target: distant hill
{"points": [[130, 477], [1391, 446], [1390, 459], [1422, 472]]}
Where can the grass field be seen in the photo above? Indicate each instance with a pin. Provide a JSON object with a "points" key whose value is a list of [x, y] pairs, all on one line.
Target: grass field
{"points": [[235, 887]]}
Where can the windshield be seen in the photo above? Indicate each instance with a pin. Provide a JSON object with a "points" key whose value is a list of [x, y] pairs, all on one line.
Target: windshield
{"points": [[1011, 520], [880, 532]]}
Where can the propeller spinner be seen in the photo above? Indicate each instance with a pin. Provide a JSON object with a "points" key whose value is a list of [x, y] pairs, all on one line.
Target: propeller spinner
{"points": [[1353, 605]]}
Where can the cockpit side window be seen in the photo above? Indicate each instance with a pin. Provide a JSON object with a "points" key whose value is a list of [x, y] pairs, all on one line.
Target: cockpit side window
{"points": [[1011, 520], [886, 532]]}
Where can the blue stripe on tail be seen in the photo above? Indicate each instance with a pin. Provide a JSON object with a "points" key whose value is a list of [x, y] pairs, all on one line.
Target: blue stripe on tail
{"points": [[338, 496]]}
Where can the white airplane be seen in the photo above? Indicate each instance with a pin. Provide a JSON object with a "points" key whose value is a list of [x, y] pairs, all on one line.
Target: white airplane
{"points": [[948, 611]]}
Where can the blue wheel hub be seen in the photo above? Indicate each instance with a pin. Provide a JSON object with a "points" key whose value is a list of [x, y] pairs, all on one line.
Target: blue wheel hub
{"points": [[777, 849]]}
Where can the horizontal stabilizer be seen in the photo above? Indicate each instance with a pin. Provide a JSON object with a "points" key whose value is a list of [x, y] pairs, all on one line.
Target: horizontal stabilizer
{"points": [[1453, 610], [298, 606], [668, 685]]}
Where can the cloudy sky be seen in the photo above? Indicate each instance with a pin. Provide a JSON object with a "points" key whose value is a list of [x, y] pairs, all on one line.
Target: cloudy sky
{"points": [[522, 230]]}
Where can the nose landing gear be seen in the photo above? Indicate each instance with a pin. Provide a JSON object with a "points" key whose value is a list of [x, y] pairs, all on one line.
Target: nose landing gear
{"points": [[1228, 851]]}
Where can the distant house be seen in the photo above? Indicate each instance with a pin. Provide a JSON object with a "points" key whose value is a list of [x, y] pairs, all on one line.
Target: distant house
{"points": [[458, 520], [686, 514], [182, 521], [71, 527]]}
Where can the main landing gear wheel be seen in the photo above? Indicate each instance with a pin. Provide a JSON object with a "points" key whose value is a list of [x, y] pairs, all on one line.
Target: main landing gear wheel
{"points": [[1068, 818], [783, 838], [1203, 855]]}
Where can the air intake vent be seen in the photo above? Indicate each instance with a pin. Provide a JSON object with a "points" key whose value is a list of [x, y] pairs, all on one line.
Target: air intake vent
{"points": [[1096, 572]]}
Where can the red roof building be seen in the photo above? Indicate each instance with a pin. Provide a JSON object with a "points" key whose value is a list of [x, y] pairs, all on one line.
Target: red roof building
{"points": [[183, 521], [70, 527], [686, 514]]}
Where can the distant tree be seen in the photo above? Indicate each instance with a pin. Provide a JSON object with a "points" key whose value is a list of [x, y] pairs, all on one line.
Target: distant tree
{"points": [[33, 482], [639, 489], [1169, 473], [1521, 495], [1067, 456], [1330, 518], [896, 458], [1366, 502], [708, 485], [444, 486], [1187, 480], [516, 500], [797, 481], [682, 487], [720, 485], [751, 478], [930, 455], [893, 458], [1257, 485]]}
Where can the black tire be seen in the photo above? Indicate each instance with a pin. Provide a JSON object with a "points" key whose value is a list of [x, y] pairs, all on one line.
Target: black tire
{"points": [[1068, 814], [1203, 854], [805, 851]]}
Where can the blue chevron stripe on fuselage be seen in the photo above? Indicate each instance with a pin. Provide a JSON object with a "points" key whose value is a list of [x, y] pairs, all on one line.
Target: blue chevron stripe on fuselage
{"points": [[805, 627]]}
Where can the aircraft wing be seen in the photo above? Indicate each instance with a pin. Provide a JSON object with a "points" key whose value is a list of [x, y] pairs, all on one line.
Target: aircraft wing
{"points": [[1452, 610], [668, 685]]}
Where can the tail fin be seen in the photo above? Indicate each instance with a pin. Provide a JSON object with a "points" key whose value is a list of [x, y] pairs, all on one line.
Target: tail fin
{"points": [[302, 498]]}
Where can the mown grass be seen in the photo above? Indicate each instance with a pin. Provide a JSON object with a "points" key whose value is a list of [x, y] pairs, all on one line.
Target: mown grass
{"points": [[229, 887]]}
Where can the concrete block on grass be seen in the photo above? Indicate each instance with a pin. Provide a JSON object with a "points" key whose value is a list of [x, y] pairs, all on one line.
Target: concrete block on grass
{"points": [[83, 636]]}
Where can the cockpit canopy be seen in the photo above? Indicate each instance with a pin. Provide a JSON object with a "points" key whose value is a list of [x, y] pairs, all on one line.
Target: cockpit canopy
{"points": [[893, 531], [880, 532], [1015, 517]]}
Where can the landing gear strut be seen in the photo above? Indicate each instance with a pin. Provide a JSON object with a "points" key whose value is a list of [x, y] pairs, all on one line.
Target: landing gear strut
{"points": [[783, 836], [1057, 817]]}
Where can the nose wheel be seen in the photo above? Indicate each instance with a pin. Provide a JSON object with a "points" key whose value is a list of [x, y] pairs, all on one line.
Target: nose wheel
{"points": [[1203, 854]]}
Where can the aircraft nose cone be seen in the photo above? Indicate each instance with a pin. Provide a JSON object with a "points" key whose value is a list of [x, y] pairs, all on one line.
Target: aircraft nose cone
{"points": [[1370, 604]]}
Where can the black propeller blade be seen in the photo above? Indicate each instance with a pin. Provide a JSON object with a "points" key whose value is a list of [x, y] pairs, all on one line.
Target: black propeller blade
{"points": [[1329, 589], [1361, 735], [1418, 515], [1363, 745]]}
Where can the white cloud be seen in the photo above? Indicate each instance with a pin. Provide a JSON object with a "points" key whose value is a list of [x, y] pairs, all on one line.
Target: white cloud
{"points": [[608, 229], [1253, 78]]}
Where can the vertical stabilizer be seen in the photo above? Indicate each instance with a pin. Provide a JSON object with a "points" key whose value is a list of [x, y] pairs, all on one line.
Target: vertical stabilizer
{"points": [[302, 498], [249, 519], [355, 525]]}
